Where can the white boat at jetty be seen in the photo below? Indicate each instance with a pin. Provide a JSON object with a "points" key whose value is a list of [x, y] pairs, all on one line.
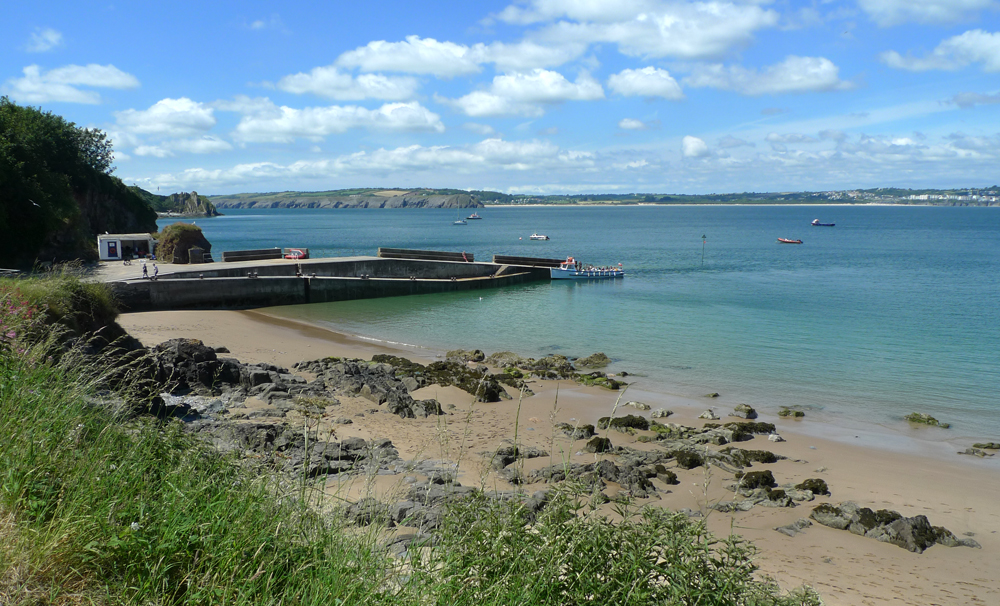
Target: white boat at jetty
{"points": [[538, 237], [571, 269]]}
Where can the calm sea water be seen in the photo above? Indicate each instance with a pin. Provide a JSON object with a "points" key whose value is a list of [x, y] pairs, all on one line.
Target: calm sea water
{"points": [[892, 311]]}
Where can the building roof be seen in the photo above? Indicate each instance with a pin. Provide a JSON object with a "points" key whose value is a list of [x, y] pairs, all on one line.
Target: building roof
{"points": [[146, 236]]}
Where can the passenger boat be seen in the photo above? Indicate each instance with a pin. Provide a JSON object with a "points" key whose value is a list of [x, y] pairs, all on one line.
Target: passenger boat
{"points": [[816, 223], [787, 241], [473, 217], [571, 269], [538, 237]]}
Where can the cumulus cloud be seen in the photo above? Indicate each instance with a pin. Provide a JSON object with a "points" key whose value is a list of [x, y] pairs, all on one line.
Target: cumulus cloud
{"points": [[62, 83], [693, 147], [168, 117], [894, 12], [974, 46], [285, 124], [645, 82], [967, 100], [522, 93], [415, 55], [43, 40], [200, 145], [793, 75], [631, 124], [527, 55], [689, 30], [331, 83]]}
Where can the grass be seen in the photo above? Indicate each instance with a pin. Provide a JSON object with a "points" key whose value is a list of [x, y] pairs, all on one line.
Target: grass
{"points": [[99, 509]]}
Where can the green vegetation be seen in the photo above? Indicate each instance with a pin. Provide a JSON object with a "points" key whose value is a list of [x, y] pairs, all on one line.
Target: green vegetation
{"points": [[182, 203], [56, 192], [99, 509], [176, 239]]}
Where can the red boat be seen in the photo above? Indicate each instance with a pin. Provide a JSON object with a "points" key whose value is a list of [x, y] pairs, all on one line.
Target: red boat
{"points": [[787, 241]]}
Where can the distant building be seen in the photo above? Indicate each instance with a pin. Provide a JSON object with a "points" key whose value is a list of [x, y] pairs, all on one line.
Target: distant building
{"points": [[114, 247]]}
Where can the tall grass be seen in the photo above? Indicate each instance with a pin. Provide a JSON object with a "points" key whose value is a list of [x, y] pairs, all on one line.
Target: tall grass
{"points": [[98, 509]]}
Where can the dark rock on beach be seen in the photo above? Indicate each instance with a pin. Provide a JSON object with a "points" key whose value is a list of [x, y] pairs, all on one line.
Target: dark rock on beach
{"points": [[913, 534]]}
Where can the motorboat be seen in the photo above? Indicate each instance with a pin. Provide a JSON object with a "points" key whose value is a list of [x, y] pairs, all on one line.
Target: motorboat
{"points": [[571, 269], [816, 223], [297, 254], [538, 237], [473, 217], [460, 222], [787, 241]]}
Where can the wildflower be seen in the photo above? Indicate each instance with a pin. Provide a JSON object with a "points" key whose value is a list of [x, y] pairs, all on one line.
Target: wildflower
{"points": [[135, 527]]}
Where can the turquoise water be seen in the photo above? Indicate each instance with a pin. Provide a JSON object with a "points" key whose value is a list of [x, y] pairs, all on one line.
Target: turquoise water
{"points": [[892, 311]]}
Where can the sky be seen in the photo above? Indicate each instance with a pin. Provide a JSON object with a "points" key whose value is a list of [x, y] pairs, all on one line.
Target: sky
{"points": [[530, 96]]}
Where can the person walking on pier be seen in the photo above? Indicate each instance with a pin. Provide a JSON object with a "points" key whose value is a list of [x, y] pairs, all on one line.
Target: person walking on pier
{"points": [[145, 270]]}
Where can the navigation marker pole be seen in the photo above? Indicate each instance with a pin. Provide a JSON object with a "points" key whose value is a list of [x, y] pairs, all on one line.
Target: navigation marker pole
{"points": [[703, 240]]}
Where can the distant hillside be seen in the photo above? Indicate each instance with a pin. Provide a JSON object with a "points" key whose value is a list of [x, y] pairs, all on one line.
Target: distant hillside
{"points": [[56, 189], [182, 204], [353, 198]]}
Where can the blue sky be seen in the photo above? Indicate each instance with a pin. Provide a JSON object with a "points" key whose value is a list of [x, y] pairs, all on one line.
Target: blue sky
{"points": [[531, 96]]}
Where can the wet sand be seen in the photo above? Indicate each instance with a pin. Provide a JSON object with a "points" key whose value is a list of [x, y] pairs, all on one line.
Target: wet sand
{"points": [[958, 492]]}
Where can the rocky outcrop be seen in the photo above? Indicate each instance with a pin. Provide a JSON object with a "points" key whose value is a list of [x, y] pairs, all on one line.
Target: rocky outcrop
{"points": [[188, 205], [372, 380], [476, 381], [913, 534]]}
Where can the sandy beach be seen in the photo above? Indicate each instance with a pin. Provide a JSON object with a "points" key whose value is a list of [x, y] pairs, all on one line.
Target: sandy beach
{"points": [[958, 492]]}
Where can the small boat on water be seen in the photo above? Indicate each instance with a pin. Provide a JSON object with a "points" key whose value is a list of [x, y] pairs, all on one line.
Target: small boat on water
{"points": [[787, 241], [571, 269], [538, 237], [460, 222], [473, 217], [816, 223]]}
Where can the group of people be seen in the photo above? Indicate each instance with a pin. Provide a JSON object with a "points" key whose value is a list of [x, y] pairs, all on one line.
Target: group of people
{"points": [[145, 271]]}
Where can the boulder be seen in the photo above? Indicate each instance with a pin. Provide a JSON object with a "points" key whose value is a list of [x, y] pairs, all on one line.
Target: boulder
{"points": [[628, 421], [597, 360], [598, 445], [920, 418], [913, 534], [576, 432], [661, 413], [710, 415], [795, 527], [788, 412], [638, 405], [744, 411]]}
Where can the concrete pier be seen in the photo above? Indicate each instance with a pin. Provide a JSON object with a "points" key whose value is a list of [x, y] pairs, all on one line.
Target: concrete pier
{"points": [[288, 282]]}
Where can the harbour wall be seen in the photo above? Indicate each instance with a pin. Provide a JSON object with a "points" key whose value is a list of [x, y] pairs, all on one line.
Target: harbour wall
{"points": [[267, 284]]}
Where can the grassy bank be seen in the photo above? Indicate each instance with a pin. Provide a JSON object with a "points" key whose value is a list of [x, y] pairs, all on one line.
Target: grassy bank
{"points": [[107, 510]]}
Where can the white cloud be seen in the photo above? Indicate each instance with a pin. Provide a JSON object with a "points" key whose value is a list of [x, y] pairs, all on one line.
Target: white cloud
{"points": [[894, 12], [44, 40], [60, 84], [693, 147], [527, 55], [731, 142], [168, 117], [521, 93], [415, 55], [967, 100], [285, 124], [155, 151], [793, 75], [689, 30], [482, 129], [645, 82], [631, 124], [331, 83], [201, 145], [974, 46]]}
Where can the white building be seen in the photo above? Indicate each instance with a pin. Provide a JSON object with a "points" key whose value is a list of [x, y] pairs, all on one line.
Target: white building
{"points": [[113, 247]]}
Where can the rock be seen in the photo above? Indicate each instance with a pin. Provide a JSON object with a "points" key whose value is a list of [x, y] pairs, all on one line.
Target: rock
{"points": [[795, 527], [505, 455], [788, 412], [711, 395], [913, 534], [597, 360], [464, 356], [576, 432], [987, 445], [688, 460], [661, 413], [598, 445], [757, 479], [628, 421], [925, 419], [814, 485], [638, 405], [975, 452], [709, 414], [775, 438], [744, 411], [746, 458]]}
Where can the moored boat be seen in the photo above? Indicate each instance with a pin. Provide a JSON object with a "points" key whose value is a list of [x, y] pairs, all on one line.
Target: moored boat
{"points": [[787, 241], [538, 237], [473, 217], [816, 223], [571, 269]]}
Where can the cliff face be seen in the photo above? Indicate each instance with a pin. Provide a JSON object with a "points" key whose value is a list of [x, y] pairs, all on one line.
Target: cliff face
{"points": [[402, 200], [190, 205]]}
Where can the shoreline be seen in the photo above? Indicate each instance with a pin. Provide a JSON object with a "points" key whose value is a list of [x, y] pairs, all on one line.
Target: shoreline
{"points": [[955, 492]]}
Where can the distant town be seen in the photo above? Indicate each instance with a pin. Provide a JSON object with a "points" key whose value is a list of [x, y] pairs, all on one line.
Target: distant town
{"points": [[881, 195]]}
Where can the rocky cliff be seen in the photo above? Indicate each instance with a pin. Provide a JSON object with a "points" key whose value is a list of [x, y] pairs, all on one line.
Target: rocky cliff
{"points": [[385, 199], [190, 205]]}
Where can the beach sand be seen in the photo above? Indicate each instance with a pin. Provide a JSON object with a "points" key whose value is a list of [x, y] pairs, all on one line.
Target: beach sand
{"points": [[957, 492]]}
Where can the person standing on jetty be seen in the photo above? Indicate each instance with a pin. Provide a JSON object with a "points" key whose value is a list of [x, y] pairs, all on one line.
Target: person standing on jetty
{"points": [[145, 270]]}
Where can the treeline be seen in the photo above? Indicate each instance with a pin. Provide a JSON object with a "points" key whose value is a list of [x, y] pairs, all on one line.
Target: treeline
{"points": [[56, 189]]}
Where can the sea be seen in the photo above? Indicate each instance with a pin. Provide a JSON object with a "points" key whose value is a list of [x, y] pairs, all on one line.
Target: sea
{"points": [[893, 310]]}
